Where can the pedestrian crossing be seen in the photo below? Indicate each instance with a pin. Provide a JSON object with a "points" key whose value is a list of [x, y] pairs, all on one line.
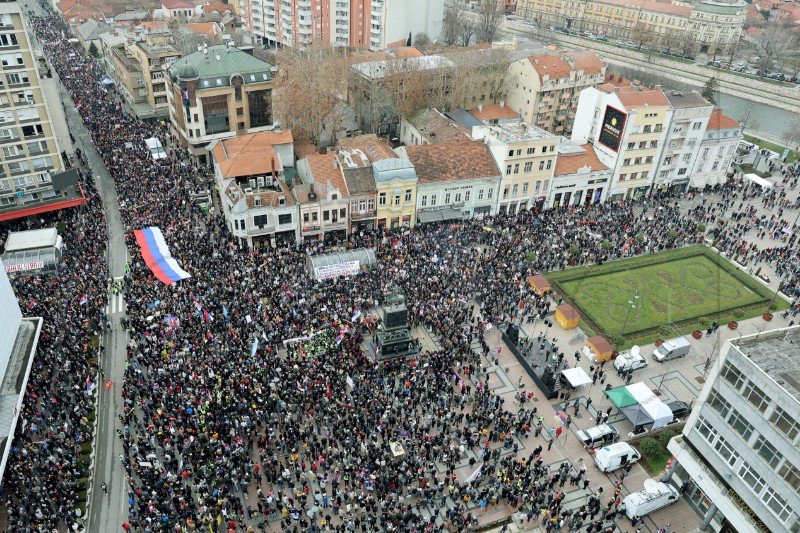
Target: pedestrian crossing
{"points": [[116, 304]]}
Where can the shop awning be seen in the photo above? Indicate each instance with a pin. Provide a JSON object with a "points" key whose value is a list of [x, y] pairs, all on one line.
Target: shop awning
{"points": [[107, 81], [576, 376], [450, 214], [428, 216]]}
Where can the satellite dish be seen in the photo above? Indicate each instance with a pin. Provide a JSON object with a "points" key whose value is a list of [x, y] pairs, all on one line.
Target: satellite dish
{"points": [[635, 351], [651, 486]]}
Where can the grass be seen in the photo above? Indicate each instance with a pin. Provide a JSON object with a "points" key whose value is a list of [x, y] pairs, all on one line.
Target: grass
{"points": [[794, 155], [750, 169], [685, 288], [653, 448]]}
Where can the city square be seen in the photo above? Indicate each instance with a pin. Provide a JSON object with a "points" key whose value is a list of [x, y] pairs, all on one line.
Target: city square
{"points": [[238, 331]]}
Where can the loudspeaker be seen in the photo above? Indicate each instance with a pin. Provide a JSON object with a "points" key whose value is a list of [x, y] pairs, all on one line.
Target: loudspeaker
{"points": [[513, 333]]}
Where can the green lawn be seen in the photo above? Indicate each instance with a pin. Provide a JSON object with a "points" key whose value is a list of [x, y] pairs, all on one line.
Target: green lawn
{"points": [[681, 287], [793, 155]]}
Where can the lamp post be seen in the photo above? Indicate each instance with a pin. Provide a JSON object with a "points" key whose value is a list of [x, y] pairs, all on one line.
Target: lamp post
{"points": [[632, 304]]}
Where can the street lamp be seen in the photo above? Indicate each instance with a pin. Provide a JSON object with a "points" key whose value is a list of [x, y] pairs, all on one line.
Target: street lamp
{"points": [[632, 303]]}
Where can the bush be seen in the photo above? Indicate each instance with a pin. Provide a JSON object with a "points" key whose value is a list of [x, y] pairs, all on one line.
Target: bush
{"points": [[640, 238], [672, 234], [617, 341], [773, 306], [665, 436], [701, 228], [649, 447], [665, 331], [738, 314], [575, 250], [606, 245]]}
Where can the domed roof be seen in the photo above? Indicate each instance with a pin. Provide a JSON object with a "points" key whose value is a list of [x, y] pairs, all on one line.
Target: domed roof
{"points": [[187, 71]]}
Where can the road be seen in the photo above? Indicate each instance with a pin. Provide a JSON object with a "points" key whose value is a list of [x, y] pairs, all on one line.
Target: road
{"points": [[107, 511]]}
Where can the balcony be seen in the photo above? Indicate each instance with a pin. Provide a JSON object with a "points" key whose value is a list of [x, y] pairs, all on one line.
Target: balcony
{"points": [[306, 4], [305, 30], [260, 230], [362, 215]]}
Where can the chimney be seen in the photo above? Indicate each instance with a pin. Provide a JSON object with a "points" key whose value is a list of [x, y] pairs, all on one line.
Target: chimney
{"points": [[657, 87], [502, 104], [480, 108], [217, 56], [274, 173], [335, 162], [199, 47]]}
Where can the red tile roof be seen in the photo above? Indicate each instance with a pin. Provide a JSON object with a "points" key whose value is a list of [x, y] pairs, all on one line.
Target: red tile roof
{"points": [[493, 112], [667, 9], [458, 160], [587, 61], [552, 66], [718, 121], [178, 4], [211, 7], [249, 154], [325, 168], [632, 97], [570, 163], [407, 52]]}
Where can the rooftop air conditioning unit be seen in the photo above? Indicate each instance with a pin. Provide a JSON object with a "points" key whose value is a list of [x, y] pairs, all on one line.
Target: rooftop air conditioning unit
{"points": [[248, 191]]}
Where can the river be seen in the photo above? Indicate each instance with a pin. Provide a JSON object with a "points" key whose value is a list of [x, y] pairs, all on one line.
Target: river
{"points": [[761, 116]]}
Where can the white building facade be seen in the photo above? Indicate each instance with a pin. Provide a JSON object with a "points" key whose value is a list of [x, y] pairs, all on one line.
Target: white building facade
{"points": [[714, 162]]}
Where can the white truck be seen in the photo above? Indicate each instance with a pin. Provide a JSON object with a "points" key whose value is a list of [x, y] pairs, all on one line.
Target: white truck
{"points": [[654, 496], [630, 360], [614, 456]]}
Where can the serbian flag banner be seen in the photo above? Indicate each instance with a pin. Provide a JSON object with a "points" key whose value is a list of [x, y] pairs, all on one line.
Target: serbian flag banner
{"points": [[157, 257]]}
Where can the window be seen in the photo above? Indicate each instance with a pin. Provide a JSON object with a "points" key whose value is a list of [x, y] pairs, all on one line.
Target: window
{"points": [[549, 164], [768, 452], [480, 194], [791, 475], [371, 203], [756, 397], [305, 217], [515, 189], [541, 165], [531, 150], [528, 166], [508, 169], [397, 199], [648, 159], [751, 478], [490, 193], [466, 196], [8, 39], [525, 188], [447, 198], [285, 219], [727, 453], [776, 504], [784, 422], [631, 146], [382, 198], [314, 217], [433, 199], [697, 125], [516, 168], [623, 177], [505, 192], [741, 425], [424, 201], [733, 376], [458, 198], [17, 79], [511, 153], [719, 405], [653, 144], [626, 162], [682, 171], [408, 195], [326, 216], [706, 430]]}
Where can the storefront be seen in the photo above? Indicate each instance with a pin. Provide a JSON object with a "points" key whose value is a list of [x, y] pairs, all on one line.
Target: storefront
{"points": [[443, 214]]}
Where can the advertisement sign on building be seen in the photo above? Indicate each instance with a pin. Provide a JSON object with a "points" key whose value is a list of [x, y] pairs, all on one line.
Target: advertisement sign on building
{"points": [[611, 130], [21, 267], [350, 268]]}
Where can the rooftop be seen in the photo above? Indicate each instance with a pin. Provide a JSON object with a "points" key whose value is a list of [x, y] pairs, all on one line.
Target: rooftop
{"points": [[718, 121], [218, 7], [370, 145], [489, 112], [252, 154], [216, 67], [359, 180], [459, 160], [777, 353], [379, 69], [517, 131], [325, 170], [435, 127], [668, 8], [178, 4], [684, 100], [570, 162], [633, 97], [92, 29]]}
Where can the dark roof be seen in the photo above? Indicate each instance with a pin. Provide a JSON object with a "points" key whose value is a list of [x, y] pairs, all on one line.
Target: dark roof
{"points": [[360, 180], [457, 160]]}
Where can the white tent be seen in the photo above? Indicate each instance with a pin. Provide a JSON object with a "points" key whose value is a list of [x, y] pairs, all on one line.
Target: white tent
{"points": [[652, 406], [758, 180], [576, 376]]}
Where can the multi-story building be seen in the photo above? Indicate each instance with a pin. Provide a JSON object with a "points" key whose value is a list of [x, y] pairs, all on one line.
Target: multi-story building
{"points": [[322, 197], [430, 126], [690, 114], [31, 155], [711, 26], [373, 24], [397, 181], [178, 9], [218, 93], [457, 180], [154, 54], [250, 175], [544, 89], [526, 156], [579, 178], [627, 126], [738, 456], [717, 151]]}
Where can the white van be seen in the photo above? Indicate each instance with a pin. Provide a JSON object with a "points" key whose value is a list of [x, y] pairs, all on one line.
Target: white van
{"points": [[654, 496], [598, 436], [617, 455], [156, 150], [671, 349]]}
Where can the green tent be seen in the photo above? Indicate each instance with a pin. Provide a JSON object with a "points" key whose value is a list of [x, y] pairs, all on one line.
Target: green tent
{"points": [[621, 397]]}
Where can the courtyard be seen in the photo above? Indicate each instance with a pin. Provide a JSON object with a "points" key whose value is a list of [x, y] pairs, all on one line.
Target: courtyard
{"points": [[680, 290]]}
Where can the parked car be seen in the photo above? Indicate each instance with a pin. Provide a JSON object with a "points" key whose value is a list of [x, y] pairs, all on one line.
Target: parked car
{"points": [[630, 360], [664, 52], [583, 34], [679, 409], [688, 56], [619, 42], [630, 43]]}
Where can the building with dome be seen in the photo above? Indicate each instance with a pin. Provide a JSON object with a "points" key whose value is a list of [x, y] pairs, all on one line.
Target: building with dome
{"points": [[217, 93]]}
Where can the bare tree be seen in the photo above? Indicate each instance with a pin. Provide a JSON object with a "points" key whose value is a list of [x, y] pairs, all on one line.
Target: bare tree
{"points": [[643, 35], [490, 17], [421, 39], [308, 87], [773, 43], [451, 23], [466, 30]]}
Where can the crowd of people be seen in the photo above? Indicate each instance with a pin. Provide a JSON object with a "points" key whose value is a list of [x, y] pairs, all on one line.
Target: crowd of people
{"points": [[228, 427]]}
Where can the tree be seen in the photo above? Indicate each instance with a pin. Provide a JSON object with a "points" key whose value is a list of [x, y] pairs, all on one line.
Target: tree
{"points": [[466, 30], [710, 90], [451, 23], [491, 14], [422, 39], [308, 88], [93, 50], [643, 35], [773, 43]]}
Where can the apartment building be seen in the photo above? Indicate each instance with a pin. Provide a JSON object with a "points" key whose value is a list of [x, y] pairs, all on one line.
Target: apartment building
{"points": [[250, 173], [714, 162], [712, 26], [526, 156], [544, 88], [738, 454], [627, 126], [690, 115], [373, 24], [579, 179], [218, 93], [154, 54], [31, 156]]}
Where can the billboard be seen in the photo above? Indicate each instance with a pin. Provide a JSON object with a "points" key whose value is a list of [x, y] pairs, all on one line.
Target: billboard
{"points": [[611, 130], [21, 267], [349, 268]]}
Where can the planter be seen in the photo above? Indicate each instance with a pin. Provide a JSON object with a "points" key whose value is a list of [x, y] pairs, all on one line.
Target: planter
{"points": [[733, 324], [767, 316], [659, 342], [572, 262], [697, 334]]}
